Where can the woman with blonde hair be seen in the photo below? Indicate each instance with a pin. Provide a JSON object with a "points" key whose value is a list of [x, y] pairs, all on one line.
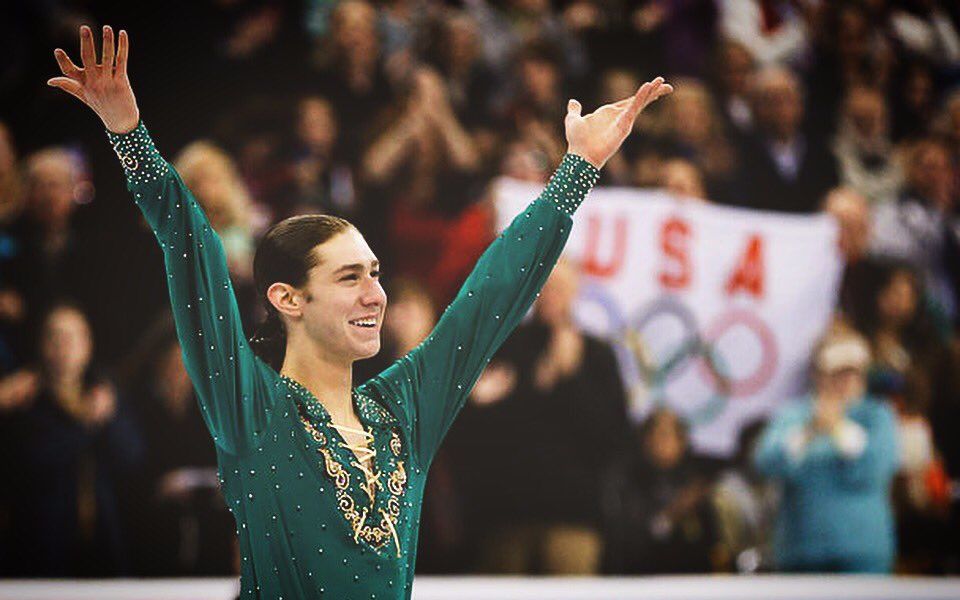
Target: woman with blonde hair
{"points": [[216, 183], [690, 127]]}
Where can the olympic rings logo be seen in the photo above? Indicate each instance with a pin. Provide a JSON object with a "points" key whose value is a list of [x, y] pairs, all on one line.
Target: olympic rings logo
{"points": [[698, 348]]}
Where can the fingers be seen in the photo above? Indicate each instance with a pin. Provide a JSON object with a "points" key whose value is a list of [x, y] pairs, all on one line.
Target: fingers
{"points": [[108, 48], [660, 90], [625, 119], [574, 107], [652, 89], [122, 50], [88, 56], [70, 86], [66, 65], [663, 91], [648, 93]]}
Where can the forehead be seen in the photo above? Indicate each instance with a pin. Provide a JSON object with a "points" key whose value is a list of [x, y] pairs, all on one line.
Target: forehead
{"points": [[65, 318], [346, 248]]}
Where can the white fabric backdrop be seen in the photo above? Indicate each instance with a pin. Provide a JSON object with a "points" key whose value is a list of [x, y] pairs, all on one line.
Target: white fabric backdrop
{"points": [[713, 310]]}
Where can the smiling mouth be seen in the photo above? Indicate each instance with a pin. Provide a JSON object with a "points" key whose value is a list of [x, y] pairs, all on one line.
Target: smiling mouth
{"points": [[368, 323]]}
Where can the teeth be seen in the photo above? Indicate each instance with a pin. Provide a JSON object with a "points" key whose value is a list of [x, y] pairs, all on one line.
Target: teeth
{"points": [[364, 322]]}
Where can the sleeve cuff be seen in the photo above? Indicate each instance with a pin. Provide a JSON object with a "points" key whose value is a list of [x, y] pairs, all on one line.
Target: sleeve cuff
{"points": [[571, 182], [138, 155]]}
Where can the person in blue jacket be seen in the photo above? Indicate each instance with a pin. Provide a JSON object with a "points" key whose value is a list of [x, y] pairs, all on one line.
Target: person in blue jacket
{"points": [[835, 454]]}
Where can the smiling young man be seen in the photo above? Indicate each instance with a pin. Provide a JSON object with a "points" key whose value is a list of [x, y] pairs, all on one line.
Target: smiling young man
{"points": [[325, 480]]}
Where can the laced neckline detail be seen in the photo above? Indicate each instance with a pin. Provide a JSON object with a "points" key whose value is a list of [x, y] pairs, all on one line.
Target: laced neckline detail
{"points": [[363, 458]]}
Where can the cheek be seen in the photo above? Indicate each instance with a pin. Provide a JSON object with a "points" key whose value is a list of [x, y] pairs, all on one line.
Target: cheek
{"points": [[325, 311]]}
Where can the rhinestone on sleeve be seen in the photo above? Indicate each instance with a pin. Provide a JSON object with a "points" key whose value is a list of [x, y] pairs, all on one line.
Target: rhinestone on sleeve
{"points": [[571, 182], [141, 161]]}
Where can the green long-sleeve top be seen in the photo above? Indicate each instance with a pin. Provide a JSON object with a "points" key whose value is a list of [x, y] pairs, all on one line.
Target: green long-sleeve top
{"points": [[312, 521]]}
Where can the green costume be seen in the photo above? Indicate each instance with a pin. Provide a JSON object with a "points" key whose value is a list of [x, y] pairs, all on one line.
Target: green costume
{"points": [[312, 520]]}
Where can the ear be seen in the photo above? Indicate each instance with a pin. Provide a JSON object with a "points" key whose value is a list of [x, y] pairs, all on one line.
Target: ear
{"points": [[287, 299]]}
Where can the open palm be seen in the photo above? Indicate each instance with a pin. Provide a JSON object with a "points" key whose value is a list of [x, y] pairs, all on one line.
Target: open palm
{"points": [[598, 135], [102, 86]]}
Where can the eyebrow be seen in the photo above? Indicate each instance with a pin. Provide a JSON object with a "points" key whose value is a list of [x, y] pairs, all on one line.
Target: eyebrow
{"points": [[356, 267]]}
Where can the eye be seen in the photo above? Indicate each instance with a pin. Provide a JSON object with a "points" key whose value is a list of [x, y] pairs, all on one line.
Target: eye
{"points": [[348, 277], [375, 273]]}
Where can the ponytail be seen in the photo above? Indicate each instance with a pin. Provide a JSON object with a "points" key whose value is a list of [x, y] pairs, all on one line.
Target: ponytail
{"points": [[269, 341]]}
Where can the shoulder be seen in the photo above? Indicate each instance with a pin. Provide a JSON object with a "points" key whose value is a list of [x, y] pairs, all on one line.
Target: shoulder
{"points": [[599, 346], [876, 409], [793, 410]]}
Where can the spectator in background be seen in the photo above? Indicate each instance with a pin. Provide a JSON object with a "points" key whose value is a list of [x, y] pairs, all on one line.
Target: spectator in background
{"points": [[693, 130], [425, 169], [924, 29], [745, 504], [851, 211], [178, 516], [213, 177], [351, 75], [532, 498], [457, 56], [71, 442], [782, 168], [505, 30], [400, 22], [912, 366], [658, 504], [683, 32], [948, 126], [523, 160], [914, 102], [11, 182], [734, 72], [682, 179], [921, 228], [835, 454], [852, 51], [12, 309], [774, 31], [322, 181], [917, 374], [43, 256], [865, 154], [539, 89], [904, 341]]}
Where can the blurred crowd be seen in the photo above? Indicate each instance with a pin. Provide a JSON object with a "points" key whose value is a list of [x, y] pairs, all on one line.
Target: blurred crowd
{"points": [[397, 115]]}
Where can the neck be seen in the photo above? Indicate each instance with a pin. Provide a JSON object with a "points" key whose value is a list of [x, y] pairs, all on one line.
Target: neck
{"points": [[64, 380], [328, 378]]}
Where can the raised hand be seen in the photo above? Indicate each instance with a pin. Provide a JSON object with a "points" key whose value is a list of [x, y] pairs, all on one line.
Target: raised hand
{"points": [[597, 136], [102, 86]]}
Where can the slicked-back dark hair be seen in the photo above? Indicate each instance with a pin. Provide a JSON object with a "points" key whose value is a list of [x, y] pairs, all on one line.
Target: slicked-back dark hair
{"points": [[285, 254]]}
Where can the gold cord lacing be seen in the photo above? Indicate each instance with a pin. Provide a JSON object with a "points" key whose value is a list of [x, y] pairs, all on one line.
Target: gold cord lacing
{"points": [[364, 453]]}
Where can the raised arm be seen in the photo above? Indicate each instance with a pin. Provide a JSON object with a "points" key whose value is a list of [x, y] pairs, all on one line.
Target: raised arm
{"points": [[434, 379], [231, 382]]}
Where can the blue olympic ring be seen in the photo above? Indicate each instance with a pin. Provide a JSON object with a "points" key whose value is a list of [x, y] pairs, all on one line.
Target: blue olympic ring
{"points": [[694, 348]]}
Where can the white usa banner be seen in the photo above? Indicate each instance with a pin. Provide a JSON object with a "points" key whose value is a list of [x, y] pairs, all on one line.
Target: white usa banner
{"points": [[713, 311]]}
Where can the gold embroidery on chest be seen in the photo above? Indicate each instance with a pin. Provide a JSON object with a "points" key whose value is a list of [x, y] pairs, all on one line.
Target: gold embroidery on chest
{"points": [[397, 480], [379, 534]]}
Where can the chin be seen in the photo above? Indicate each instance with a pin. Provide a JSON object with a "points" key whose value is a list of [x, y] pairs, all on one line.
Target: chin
{"points": [[368, 351]]}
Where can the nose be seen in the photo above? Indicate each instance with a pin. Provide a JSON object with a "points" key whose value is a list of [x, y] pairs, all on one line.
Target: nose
{"points": [[373, 294]]}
